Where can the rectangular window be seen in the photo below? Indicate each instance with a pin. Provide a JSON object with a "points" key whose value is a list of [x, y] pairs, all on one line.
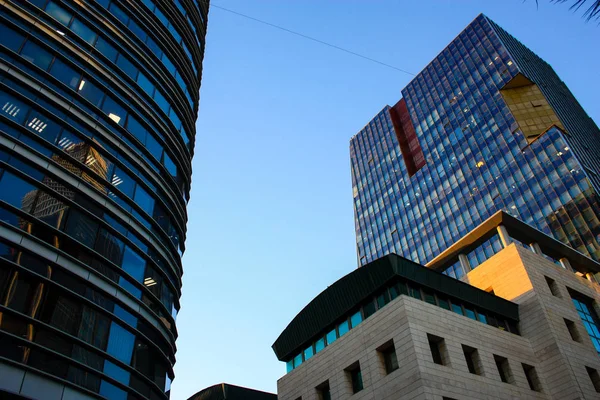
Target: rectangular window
{"points": [[388, 356], [438, 349], [595, 378], [532, 378], [355, 376], [572, 330], [308, 353], [473, 360], [585, 308], [323, 391], [343, 328], [356, 319], [331, 336], [553, 286], [503, 369], [319, 345]]}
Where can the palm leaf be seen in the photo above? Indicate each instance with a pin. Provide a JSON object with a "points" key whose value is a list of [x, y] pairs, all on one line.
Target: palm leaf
{"points": [[592, 12]]}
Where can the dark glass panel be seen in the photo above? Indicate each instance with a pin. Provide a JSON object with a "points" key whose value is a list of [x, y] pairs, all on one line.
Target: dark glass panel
{"points": [[59, 13], [10, 38], [37, 55], [83, 31], [81, 228]]}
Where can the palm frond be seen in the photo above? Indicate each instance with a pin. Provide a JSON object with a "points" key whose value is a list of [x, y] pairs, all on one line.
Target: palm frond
{"points": [[592, 12]]}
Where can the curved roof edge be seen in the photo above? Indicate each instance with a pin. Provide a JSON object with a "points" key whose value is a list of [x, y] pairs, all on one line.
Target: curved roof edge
{"points": [[225, 391], [350, 291]]}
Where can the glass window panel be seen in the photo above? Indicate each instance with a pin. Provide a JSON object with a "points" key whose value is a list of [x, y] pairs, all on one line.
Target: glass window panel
{"points": [[369, 309], [117, 12], [123, 182], [289, 365], [331, 336], [145, 84], [107, 49], [81, 228], [444, 303], [109, 246], [170, 165], [457, 308], [343, 328], [356, 319], [59, 13], [415, 292], [481, 317], [144, 200], [470, 313], [114, 110], [116, 372], [112, 392], [90, 92], [308, 353], [37, 55], [125, 315], [154, 147], [319, 345], [297, 360], [65, 74], [10, 38], [83, 31], [120, 343], [127, 67], [134, 264]]}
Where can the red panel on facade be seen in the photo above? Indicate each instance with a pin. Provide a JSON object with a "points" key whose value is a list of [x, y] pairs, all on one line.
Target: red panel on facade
{"points": [[407, 138]]}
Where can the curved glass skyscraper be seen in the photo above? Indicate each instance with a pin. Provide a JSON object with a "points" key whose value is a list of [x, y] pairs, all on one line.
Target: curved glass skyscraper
{"points": [[98, 101]]}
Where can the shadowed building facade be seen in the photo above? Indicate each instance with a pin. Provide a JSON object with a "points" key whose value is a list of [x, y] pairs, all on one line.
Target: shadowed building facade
{"points": [[486, 126], [98, 102]]}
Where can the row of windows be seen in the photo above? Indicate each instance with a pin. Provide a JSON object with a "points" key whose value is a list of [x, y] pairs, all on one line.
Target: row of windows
{"points": [[472, 171], [115, 112], [388, 294], [85, 32], [440, 355], [94, 156], [50, 212], [89, 328], [171, 28]]}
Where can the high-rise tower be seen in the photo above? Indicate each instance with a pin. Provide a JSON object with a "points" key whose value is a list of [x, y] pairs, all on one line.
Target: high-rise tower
{"points": [[486, 126], [98, 102]]}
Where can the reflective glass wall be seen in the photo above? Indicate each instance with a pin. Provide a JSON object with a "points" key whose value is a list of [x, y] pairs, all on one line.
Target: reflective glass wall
{"points": [[98, 102], [477, 161]]}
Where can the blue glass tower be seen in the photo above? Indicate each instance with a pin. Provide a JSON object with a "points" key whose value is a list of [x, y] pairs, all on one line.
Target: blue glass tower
{"points": [[486, 126], [98, 102]]}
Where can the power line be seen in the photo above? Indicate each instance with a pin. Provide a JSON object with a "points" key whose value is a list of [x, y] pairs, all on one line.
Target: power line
{"points": [[310, 38]]}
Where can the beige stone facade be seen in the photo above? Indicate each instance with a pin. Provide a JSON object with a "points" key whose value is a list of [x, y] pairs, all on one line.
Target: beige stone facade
{"points": [[516, 274]]}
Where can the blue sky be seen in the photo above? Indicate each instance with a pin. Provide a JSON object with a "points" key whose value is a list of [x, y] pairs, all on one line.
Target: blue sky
{"points": [[270, 216]]}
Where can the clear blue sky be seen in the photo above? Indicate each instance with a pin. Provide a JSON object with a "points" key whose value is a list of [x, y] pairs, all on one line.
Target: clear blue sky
{"points": [[270, 216]]}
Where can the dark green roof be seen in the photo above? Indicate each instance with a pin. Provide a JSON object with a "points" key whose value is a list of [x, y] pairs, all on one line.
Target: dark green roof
{"points": [[349, 292], [224, 391]]}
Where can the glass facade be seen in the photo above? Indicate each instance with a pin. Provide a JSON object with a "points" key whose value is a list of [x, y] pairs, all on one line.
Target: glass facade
{"points": [[477, 160], [98, 102]]}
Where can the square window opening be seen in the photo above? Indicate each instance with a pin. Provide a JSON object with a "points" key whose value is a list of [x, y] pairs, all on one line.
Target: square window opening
{"points": [[504, 369], [439, 352], [387, 355], [532, 378], [473, 360]]}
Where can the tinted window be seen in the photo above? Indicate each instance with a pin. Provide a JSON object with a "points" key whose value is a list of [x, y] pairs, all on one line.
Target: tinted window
{"points": [[59, 13], [127, 67], [120, 343], [65, 74], [37, 55], [11, 38], [114, 111], [83, 31], [91, 92], [106, 49], [133, 264]]}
